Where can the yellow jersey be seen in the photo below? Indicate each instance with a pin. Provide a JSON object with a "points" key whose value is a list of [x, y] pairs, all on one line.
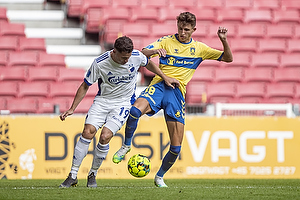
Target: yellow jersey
{"points": [[182, 59]]}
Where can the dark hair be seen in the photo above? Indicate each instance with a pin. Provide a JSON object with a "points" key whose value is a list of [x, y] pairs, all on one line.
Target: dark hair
{"points": [[187, 18], [123, 44]]}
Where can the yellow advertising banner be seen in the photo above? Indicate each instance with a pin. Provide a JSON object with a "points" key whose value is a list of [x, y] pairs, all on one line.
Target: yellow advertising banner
{"points": [[41, 147]]}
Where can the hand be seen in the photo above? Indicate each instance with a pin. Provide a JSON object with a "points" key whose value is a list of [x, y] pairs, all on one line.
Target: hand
{"points": [[161, 52], [172, 82], [222, 33], [64, 115]]}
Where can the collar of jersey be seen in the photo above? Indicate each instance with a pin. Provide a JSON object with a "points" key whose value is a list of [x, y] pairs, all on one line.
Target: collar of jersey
{"points": [[176, 36]]}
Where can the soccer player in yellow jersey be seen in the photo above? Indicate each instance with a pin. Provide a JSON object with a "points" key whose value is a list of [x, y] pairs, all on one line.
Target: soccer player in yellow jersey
{"points": [[180, 55]]}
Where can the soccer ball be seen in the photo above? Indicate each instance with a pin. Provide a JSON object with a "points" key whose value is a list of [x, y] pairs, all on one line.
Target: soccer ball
{"points": [[139, 165]]}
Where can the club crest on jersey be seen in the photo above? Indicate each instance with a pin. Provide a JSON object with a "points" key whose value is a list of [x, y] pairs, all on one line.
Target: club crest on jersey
{"points": [[192, 50], [177, 114]]}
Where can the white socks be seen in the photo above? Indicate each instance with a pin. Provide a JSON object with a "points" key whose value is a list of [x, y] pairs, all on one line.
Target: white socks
{"points": [[100, 154]]}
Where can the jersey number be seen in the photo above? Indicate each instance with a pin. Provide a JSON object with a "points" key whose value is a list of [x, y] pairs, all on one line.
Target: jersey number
{"points": [[124, 112]]}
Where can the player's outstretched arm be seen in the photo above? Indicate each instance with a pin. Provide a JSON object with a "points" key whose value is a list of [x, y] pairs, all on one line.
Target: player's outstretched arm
{"points": [[160, 52], [227, 56], [172, 82], [81, 91]]}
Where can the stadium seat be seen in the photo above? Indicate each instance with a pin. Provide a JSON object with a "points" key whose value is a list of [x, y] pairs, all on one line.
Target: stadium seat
{"points": [[3, 16], [12, 29], [230, 15], [3, 59], [205, 15], [262, 15], [213, 28], [3, 104], [291, 4], [71, 74], [46, 105], [33, 89], [297, 31], [154, 3], [42, 74], [73, 7], [252, 30], [148, 15], [46, 59], [127, 3], [266, 4], [265, 60], [287, 74], [241, 59], [212, 42], [187, 4], [262, 74], [63, 89], [167, 15], [32, 44], [136, 29], [250, 92], [13, 74], [229, 74], [282, 91], [289, 60], [220, 92], [91, 20], [22, 105], [162, 29], [27, 59], [297, 92], [245, 4], [9, 43], [280, 31], [294, 46], [92, 4], [215, 4], [272, 45], [204, 74], [8, 89], [84, 105], [286, 16], [196, 92], [249, 45]]}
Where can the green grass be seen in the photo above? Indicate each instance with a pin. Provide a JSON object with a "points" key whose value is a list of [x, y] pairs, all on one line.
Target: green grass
{"points": [[136, 189]]}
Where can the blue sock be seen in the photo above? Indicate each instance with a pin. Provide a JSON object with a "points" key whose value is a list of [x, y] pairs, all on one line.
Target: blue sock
{"points": [[131, 124], [168, 160]]}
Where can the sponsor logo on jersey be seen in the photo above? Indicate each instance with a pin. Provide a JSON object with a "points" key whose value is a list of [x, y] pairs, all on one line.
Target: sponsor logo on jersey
{"points": [[121, 79]]}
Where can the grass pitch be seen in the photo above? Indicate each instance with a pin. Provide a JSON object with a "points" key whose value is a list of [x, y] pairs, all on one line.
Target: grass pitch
{"points": [[136, 189]]}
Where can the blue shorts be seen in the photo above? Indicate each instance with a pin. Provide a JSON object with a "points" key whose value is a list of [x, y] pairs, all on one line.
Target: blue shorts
{"points": [[161, 96]]}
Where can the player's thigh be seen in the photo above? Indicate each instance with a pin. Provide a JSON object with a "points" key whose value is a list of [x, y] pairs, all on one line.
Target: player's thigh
{"points": [[97, 114], [117, 117], [176, 132]]}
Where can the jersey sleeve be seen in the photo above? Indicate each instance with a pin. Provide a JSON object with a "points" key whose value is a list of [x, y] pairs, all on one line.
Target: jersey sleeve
{"points": [[144, 60], [91, 74], [209, 53]]}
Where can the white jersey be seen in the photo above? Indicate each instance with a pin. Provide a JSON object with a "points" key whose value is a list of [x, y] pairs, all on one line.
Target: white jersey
{"points": [[116, 82]]}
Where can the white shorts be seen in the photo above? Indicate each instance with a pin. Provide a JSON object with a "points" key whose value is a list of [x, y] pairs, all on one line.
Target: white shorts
{"points": [[109, 113]]}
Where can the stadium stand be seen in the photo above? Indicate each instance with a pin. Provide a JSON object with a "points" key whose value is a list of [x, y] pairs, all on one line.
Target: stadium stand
{"points": [[8, 89], [3, 59], [32, 44], [229, 74], [9, 43], [272, 45], [250, 92], [14, 74], [22, 58], [33, 89], [49, 74], [262, 74]]}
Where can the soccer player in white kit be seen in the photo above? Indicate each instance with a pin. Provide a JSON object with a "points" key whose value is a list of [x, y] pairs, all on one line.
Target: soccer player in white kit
{"points": [[116, 73]]}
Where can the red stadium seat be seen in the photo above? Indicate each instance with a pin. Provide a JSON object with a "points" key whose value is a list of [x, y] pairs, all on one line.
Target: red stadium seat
{"points": [[3, 104], [251, 30], [286, 16], [291, 4], [272, 45], [280, 31], [9, 43], [287, 74], [229, 74], [258, 16], [169, 15], [262, 74], [27, 59], [294, 45], [266, 4], [212, 42], [13, 74], [280, 90], [74, 7], [245, 4], [244, 45], [3, 59], [42, 74], [22, 105], [8, 89], [92, 4], [3, 16], [12, 29], [32, 44], [46, 105], [84, 105], [46, 59], [250, 92], [220, 92], [91, 23], [213, 29], [265, 60], [297, 92], [289, 60], [187, 4], [230, 15], [136, 29], [63, 89], [71, 74], [205, 15], [196, 92], [149, 15], [127, 3], [163, 29], [241, 59], [216, 4], [33, 89], [297, 31], [204, 74], [154, 3]]}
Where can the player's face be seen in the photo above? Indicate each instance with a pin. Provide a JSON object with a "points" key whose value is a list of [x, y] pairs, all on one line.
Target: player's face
{"points": [[185, 32], [120, 57]]}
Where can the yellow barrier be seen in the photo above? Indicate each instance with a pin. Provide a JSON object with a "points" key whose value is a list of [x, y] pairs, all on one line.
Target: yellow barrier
{"points": [[41, 147]]}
